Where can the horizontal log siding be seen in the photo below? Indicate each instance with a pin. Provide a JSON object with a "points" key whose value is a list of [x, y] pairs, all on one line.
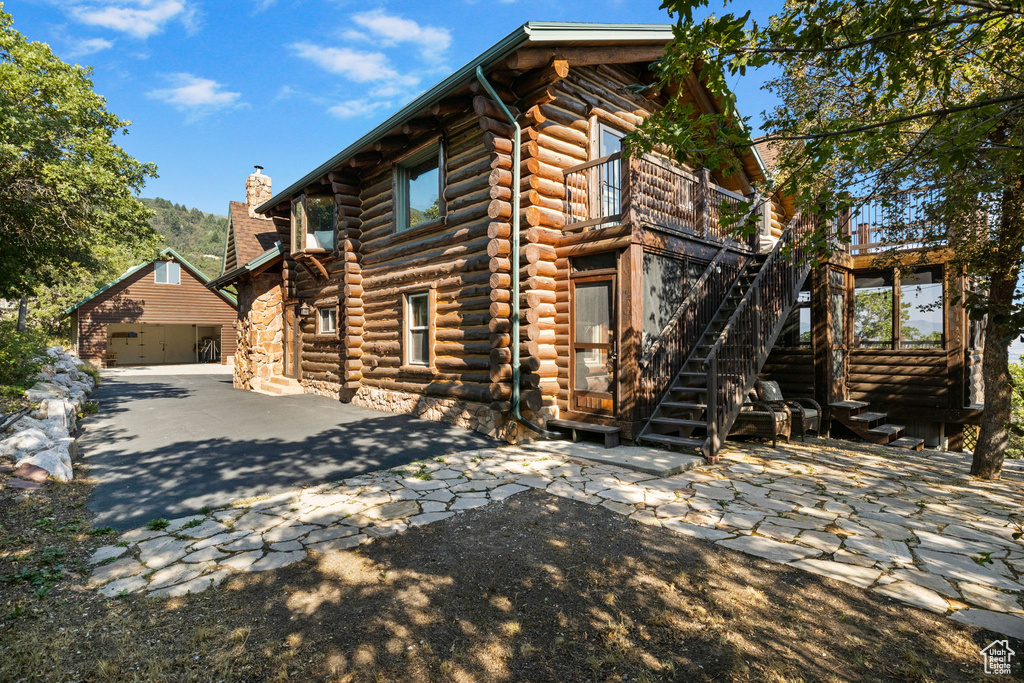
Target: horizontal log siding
{"points": [[452, 259], [899, 379], [793, 369], [139, 299]]}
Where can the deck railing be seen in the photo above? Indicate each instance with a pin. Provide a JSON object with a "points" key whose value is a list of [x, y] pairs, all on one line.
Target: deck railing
{"points": [[743, 346], [652, 190], [662, 361], [874, 227]]}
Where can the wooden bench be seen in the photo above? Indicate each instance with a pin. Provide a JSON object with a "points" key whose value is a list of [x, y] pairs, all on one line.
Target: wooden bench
{"points": [[611, 434]]}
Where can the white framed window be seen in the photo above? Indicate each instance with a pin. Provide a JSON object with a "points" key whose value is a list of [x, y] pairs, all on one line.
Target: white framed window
{"points": [[419, 189], [327, 320], [417, 328], [167, 273]]}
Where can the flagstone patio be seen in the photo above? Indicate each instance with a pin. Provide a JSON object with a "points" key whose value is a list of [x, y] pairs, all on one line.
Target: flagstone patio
{"points": [[911, 526]]}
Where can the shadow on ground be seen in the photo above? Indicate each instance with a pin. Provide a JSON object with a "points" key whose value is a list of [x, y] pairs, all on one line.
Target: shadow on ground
{"points": [[535, 589], [168, 446]]}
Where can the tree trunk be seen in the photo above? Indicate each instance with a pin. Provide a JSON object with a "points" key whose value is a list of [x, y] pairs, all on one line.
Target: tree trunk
{"points": [[994, 437], [23, 313]]}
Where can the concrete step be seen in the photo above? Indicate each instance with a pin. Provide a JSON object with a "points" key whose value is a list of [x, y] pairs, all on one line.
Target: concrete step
{"points": [[282, 386]]}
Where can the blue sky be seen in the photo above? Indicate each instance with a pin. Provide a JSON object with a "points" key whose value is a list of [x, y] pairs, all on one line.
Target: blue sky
{"points": [[214, 87]]}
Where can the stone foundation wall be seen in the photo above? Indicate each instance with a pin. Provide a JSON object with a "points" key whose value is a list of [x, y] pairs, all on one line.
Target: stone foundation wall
{"points": [[321, 388], [260, 353], [467, 414]]}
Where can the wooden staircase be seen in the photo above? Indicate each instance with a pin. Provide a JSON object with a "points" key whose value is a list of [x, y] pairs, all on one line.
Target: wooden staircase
{"points": [[703, 399], [872, 426]]}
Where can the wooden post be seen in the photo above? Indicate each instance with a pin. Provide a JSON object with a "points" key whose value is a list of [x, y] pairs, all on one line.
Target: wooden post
{"points": [[703, 201]]}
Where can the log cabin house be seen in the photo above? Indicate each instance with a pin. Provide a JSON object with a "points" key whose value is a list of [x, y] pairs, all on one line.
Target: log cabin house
{"points": [[437, 267], [157, 313]]}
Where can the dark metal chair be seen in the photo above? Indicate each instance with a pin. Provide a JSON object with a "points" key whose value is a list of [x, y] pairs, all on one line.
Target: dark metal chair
{"points": [[805, 413]]}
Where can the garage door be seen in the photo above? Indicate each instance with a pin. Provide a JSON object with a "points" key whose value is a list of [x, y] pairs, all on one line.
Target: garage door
{"points": [[139, 344]]}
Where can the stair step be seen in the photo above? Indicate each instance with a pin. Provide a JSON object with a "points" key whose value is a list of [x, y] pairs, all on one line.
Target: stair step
{"points": [[887, 429], [690, 373], [849, 405], [673, 440], [678, 422], [868, 417], [908, 442], [684, 405], [689, 390]]}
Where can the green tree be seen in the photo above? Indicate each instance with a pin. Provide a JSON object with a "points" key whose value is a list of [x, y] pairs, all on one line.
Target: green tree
{"points": [[66, 189], [880, 97]]}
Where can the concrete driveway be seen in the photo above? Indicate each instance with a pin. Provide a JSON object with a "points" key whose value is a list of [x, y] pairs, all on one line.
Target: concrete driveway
{"points": [[165, 445]]}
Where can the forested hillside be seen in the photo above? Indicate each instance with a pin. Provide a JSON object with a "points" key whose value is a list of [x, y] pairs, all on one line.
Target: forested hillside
{"points": [[195, 234]]}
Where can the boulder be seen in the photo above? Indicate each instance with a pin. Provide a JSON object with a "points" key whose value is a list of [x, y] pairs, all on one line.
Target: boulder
{"points": [[55, 352], [24, 442], [30, 472], [53, 460]]}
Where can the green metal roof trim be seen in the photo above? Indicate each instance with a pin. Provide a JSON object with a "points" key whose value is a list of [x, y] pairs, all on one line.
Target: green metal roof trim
{"points": [[269, 255], [533, 32], [134, 269]]}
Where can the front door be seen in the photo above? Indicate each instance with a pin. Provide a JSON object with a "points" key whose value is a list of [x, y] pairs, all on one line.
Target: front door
{"points": [[291, 342], [592, 350], [838, 318]]}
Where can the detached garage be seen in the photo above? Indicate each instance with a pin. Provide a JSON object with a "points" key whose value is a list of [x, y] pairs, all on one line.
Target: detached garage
{"points": [[157, 313]]}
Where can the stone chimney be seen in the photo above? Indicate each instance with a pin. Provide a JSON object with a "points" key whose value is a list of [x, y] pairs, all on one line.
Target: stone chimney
{"points": [[257, 191]]}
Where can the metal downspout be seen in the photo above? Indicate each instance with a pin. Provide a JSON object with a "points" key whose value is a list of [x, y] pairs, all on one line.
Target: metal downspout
{"points": [[516, 142]]}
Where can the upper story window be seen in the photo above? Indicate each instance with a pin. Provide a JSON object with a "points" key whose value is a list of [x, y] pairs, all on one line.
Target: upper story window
{"points": [[608, 176], [167, 273], [419, 186], [313, 223]]}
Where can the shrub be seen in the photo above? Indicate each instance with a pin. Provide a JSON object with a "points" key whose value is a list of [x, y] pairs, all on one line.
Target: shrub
{"points": [[1016, 447], [18, 351], [92, 371]]}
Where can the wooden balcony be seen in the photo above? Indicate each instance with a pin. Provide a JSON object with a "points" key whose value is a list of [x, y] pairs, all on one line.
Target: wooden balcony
{"points": [[872, 227], [651, 190]]}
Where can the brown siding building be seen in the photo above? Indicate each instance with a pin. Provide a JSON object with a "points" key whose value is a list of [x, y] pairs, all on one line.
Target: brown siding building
{"points": [[157, 313]]}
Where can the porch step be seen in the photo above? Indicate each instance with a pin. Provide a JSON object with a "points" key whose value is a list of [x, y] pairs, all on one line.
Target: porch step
{"points": [[851, 406], [670, 440], [282, 386], [908, 442], [887, 429], [869, 419], [610, 433]]}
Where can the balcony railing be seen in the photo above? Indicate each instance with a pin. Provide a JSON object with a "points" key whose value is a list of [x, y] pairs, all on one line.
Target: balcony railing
{"points": [[651, 190], [874, 227]]}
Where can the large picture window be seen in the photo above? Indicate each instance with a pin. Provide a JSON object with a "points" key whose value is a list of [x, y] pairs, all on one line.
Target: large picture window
{"points": [[419, 189], [872, 310], [167, 273], [921, 324], [907, 316], [417, 332]]}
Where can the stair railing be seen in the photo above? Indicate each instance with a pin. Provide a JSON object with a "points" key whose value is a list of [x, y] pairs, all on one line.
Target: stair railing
{"points": [[666, 356], [746, 340]]}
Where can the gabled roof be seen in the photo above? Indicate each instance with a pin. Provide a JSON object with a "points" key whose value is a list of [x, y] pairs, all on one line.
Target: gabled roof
{"points": [[250, 237], [255, 266], [532, 33], [168, 252]]}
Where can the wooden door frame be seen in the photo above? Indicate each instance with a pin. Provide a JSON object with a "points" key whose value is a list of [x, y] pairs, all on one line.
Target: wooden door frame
{"points": [[606, 275], [292, 335]]}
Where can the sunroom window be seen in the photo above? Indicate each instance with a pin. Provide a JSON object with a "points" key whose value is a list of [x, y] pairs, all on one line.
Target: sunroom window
{"points": [[921, 308], [419, 188]]}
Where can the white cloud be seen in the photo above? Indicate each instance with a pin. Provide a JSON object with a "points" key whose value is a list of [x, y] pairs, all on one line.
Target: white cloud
{"points": [[355, 65], [390, 30], [194, 94], [355, 108], [138, 18], [263, 5], [88, 46]]}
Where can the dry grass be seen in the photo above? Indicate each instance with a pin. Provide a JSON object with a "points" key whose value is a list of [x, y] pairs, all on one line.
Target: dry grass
{"points": [[537, 589]]}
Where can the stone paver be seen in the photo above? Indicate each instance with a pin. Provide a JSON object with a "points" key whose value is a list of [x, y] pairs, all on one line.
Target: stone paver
{"points": [[912, 527]]}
